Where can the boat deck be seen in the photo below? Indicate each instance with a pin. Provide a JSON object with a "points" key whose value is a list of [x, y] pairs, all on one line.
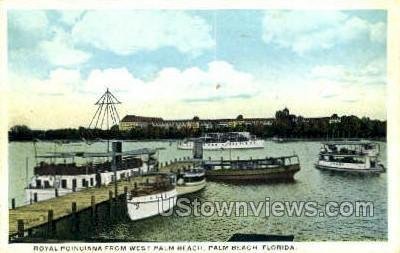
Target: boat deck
{"points": [[37, 214]]}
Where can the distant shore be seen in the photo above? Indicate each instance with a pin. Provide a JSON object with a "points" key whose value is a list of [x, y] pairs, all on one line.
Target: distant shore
{"points": [[285, 127], [284, 140]]}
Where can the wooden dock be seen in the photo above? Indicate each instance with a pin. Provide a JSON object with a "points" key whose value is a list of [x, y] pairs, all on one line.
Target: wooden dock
{"points": [[24, 218]]}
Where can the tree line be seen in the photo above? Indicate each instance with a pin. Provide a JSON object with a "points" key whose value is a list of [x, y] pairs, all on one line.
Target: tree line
{"points": [[284, 126]]}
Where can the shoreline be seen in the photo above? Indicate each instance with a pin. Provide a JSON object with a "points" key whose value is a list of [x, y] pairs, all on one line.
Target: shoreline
{"points": [[281, 140]]}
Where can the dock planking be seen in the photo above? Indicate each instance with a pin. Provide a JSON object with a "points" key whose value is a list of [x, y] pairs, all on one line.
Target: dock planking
{"points": [[36, 214]]}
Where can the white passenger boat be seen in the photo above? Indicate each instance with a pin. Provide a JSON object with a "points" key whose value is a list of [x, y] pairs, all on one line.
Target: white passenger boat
{"points": [[60, 173], [338, 157], [230, 140], [157, 195], [190, 181], [351, 147]]}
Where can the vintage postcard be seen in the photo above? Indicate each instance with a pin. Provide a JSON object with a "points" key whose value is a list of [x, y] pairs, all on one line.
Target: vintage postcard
{"points": [[200, 127]]}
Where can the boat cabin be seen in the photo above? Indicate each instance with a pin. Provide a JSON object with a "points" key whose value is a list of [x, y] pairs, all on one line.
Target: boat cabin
{"points": [[350, 148], [64, 172]]}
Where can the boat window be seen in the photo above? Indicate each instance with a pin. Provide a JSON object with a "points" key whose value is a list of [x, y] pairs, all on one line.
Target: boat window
{"points": [[46, 184], [64, 183], [91, 181], [83, 182], [38, 183], [194, 179]]}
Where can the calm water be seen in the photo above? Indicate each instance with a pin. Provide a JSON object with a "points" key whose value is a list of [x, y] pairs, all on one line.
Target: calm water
{"points": [[310, 185]]}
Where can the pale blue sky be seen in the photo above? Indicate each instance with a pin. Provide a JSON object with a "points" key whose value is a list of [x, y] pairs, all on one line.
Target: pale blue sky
{"points": [[169, 63]]}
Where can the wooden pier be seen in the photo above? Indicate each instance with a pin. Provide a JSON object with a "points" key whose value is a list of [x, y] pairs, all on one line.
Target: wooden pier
{"points": [[25, 218]]}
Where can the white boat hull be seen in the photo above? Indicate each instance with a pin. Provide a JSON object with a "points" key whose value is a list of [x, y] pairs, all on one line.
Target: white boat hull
{"points": [[252, 144], [188, 188], [150, 205], [349, 167]]}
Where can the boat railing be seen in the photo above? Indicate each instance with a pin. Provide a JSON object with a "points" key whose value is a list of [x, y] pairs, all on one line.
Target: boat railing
{"points": [[268, 162], [346, 159], [44, 168]]}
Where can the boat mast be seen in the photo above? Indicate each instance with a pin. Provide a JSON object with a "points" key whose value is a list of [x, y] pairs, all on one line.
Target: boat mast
{"points": [[105, 109]]}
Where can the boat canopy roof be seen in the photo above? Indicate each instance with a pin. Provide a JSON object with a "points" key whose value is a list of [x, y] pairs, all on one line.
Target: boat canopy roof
{"points": [[354, 143], [137, 152], [346, 155]]}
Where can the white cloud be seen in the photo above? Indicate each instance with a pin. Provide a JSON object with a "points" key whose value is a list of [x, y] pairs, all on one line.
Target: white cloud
{"points": [[48, 103], [28, 21], [70, 17], [378, 32], [305, 31], [61, 52], [66, 92], [330, 71], [42, 42], [372, 73], [119, 80], [221, 80], [125, 32], [341, 83], [60, 82]]}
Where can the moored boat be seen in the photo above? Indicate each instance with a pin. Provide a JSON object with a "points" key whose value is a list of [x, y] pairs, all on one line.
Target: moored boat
{"points": [[351, 147], [253, 170], [220, 141], [61, 173], [157, 195], [190, 181], [336, 157]]}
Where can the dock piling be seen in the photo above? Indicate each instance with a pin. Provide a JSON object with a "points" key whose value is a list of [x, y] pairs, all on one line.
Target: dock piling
{"points": [[13, 204], [110, 198], [125, 196], [110, 195], [93, 205], [75, 221], [35, 198], [20, 228], [51, 225]]}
